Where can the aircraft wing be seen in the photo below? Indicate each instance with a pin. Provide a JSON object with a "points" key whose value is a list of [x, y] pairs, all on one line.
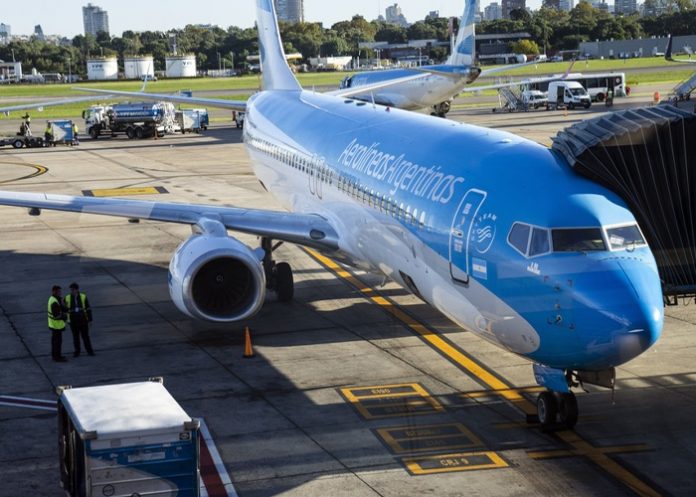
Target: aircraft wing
{"points": [[237, 105], [304, 229], [519, 82], [360, 90], [51, 103], [510, 67]]}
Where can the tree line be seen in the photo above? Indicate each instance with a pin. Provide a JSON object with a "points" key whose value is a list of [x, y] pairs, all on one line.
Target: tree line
{"points": [[214, 47]]}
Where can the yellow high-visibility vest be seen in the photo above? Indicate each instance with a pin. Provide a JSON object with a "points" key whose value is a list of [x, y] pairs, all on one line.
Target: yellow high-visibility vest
{"points": [[53, 323], [69, 304]]}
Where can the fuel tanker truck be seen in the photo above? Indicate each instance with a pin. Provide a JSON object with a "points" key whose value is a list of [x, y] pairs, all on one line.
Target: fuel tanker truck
{"points": [[136, 120]]}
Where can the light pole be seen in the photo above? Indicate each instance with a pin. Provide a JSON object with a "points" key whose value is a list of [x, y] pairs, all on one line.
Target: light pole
{"points": [[219, 62], [69, 71]]}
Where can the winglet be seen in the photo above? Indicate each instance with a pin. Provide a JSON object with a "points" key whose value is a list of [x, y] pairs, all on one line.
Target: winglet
{"points": [[465, 48], [668, 52], [276, 72]]}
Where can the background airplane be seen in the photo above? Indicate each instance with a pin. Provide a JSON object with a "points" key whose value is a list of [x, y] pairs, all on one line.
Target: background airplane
{"points": [[495, 231], [438, 84], [668, 53]]}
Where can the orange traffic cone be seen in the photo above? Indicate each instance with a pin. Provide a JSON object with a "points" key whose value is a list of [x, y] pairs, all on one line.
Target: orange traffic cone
{"points": [[248, 351]]}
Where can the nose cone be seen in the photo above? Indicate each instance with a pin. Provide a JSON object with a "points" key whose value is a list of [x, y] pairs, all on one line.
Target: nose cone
{"points": [[623, 317]]}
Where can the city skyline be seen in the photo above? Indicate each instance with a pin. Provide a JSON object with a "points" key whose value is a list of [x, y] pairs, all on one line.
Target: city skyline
{"points": [[68, 21]]}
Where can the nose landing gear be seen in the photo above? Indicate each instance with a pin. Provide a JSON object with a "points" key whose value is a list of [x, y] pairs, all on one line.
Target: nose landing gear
{"points": [[557, 410]]}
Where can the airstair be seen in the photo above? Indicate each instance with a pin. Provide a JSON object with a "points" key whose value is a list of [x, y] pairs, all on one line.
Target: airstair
{"points": [[683, 90], [648, 157], [510, 99]]}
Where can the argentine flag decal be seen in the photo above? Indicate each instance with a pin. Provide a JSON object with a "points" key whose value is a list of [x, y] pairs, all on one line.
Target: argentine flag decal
{"points": [[480, 268]]}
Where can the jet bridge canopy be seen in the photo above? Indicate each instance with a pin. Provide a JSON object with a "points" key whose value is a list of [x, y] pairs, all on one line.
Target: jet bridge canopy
{"points": [[648, 157]]}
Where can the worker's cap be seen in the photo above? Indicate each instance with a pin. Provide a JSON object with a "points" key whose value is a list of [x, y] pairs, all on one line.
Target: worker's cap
{"points": [[74, 285]]}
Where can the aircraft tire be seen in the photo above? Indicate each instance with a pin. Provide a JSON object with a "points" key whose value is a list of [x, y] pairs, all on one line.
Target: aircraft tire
{"points": [[285, 286], [568, 410], [547, 409]]}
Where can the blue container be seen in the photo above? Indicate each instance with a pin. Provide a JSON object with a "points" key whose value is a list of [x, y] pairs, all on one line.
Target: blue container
{"points": [[128, 439]]}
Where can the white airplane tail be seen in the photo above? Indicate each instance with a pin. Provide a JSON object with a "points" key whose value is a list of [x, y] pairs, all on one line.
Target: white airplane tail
{"points": [[276, 72], [463, 53]]}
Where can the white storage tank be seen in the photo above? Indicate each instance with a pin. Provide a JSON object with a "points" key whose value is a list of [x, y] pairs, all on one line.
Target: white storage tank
{"points": [[139, 67], [102, 68], [181, 66]]}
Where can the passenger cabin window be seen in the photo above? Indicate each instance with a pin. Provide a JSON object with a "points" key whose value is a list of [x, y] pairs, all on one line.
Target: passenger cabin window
{"points": [[519, 237], [578, 240], [625, 237]]}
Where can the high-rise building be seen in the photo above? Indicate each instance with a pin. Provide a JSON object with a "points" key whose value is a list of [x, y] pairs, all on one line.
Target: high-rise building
{"points": [[38, 32], [433, 14], [395, 16], [95, 20], [510, 5], [290, 10], [551, 4], [566, 5], [492, 12], [5, 31], [625, 6]]}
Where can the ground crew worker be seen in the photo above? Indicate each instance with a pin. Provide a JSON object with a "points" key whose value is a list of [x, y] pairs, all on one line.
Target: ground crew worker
{"points": [[79, 316], [48, 134], [27, 124], [56, 323], [75, 129]]}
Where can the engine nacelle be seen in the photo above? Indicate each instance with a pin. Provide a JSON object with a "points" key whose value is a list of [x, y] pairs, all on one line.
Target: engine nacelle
{"points": [[216, 278]]}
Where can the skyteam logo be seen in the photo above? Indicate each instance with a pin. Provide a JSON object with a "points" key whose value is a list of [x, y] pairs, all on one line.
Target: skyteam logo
{"points": [[484, 232]]}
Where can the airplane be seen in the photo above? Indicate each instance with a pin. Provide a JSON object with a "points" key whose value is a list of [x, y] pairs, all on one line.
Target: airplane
{"points": [[668, 54], [493, 230], [438, 85]]}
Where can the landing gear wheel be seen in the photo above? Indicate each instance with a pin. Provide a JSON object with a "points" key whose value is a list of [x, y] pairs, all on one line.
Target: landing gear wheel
{"points": [[278, 275], [285, 286], [568, 410], [547, 408]]}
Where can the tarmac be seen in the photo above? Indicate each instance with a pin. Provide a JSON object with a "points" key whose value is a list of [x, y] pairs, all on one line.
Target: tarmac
{"points": [[357, 388]]}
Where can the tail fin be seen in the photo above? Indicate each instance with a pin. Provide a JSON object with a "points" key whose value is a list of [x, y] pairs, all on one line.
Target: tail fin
{"points": [[276, 73], [463, 53], [668, 52]]}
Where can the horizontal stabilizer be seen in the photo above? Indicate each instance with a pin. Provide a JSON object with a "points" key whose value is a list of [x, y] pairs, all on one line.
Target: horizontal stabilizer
{"points": [[647, 156]]}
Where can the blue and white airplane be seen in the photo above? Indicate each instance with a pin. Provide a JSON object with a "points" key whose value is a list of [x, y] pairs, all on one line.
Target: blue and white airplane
{"points": [[493, 230], [437, 85], [668, 53]]}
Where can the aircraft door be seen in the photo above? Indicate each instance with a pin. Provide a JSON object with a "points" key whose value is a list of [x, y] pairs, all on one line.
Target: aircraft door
{"points": [[460, 234]]}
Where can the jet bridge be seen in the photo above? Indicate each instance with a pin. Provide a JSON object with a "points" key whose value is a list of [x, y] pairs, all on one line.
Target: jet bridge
{"points": [[648, 157]]}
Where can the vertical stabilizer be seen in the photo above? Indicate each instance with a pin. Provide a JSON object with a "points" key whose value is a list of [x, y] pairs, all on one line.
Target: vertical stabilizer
{"points": [[668, 51], [463, 53], [276, 72]]}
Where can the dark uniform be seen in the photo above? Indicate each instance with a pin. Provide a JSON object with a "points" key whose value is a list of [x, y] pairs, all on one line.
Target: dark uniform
{"points": [[79, 316], [56, 323]]}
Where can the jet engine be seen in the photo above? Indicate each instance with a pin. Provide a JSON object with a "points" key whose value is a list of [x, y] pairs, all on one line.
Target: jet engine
{"points": [[216, 278]]}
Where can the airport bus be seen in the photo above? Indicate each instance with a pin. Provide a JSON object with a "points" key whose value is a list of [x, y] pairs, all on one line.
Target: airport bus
{"points": [[596, 84]]}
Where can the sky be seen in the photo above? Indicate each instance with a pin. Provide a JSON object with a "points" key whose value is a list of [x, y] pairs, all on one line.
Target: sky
{"points": [[64, 17]]}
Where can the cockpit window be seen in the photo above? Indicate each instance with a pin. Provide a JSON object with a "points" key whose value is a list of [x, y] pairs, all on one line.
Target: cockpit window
{"points": [[519, 237], [578, 240], [625, 237], [539, 243]]}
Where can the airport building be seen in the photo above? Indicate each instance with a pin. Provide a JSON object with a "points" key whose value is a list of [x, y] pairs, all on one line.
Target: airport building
{"points": [[95, 20], [10, 71], [102, 68], [180, 66], [290, 10], [626, 49]]}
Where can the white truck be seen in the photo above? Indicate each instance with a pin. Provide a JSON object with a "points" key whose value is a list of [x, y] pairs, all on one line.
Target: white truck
{"points": [[567, 94]]}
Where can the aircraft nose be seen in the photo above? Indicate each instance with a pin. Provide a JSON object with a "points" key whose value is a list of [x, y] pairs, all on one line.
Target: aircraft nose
{"points": [[647, 316], [625, 315]]}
